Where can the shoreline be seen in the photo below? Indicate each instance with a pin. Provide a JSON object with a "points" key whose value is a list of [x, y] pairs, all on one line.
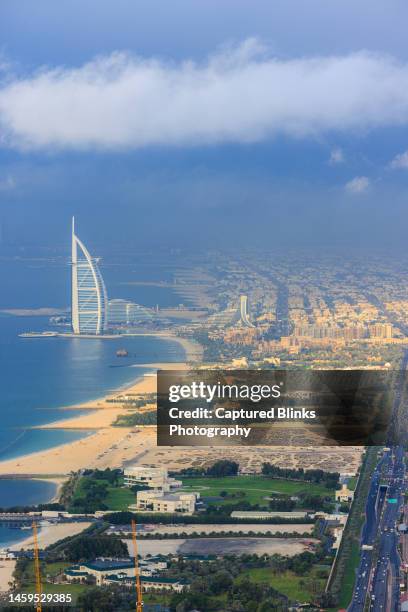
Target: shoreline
{"points": [[108, 445], [61, 459], [193, 352], [51, 533], [58, 482]]}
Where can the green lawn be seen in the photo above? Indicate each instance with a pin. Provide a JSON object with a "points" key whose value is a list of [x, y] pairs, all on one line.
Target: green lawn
{"points": [[47, 569], [156, 598], [74, 589], [256, 488], [53, 569], [119, 498], [296, 588]]}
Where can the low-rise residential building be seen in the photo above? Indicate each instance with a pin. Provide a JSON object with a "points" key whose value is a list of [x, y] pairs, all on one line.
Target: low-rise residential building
{"points": [[150, 584], [154, 478], [105, 570], [344, 495], [99, 569], [159, 501]]}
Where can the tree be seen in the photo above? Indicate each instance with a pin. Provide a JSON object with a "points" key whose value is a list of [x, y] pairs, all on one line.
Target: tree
{"points": [[224, 467], [108, 599], [266, 606], [87, 548], [184, 602], [220, 582]]}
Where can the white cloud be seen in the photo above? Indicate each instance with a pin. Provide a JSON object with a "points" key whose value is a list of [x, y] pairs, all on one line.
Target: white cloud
{"points": [[357, 185], [239, 95], [336, 157], [400, 161]]}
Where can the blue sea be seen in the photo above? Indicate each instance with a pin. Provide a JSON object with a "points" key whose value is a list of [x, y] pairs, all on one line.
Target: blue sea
{"points": [[42, 377]]}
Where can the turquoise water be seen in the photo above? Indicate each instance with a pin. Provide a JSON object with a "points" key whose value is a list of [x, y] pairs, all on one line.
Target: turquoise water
{"points": [[10, 537], [22, 492], [31, 440], [41, 375], [41, 378]]}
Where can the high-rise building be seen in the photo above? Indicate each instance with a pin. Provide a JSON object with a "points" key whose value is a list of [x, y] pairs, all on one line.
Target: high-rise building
{"points": [[381, 330], [122, 312], [243, 307], [89, 306]]}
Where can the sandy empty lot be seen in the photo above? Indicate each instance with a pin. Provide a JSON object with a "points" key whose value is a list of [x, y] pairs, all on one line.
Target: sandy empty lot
{"points": [[221, 546]]}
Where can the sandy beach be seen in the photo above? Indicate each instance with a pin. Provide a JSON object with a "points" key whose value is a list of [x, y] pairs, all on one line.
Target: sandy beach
{"points": [[112, 446], [108, 446], [6, 574], [49, 534]]}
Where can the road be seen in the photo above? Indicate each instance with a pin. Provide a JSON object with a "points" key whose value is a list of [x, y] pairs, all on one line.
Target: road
{"points": [[377, 580], [384, 590], [374, 507]]}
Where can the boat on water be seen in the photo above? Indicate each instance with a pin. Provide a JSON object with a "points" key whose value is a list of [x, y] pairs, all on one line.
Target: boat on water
{"points": [[45, 334], [122, 353]]}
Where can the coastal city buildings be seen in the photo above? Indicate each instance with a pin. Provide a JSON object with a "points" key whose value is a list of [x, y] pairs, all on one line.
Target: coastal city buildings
{"points": [[159, 501], [153, 478], [243, 301], [317, 316], [109, 571], [159, 491], [123, 312], [344, 494], [89, 300]]}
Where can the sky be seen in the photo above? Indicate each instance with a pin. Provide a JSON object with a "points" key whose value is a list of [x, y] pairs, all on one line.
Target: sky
{"points": [[204, 123]]}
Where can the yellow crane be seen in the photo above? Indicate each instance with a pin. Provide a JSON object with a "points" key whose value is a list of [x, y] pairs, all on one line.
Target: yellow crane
{"points": [[139, 599], [37, 569]]}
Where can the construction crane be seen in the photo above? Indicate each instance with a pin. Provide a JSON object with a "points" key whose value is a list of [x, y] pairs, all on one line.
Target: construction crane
{"points": [[139, 600], [37, 568]]}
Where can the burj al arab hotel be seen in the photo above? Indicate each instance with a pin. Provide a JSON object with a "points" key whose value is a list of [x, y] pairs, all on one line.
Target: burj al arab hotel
{"points": [[89, 300]]}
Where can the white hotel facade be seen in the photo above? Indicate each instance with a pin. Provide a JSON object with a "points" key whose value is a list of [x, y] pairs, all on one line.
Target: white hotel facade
{"points": [[89, 300]]}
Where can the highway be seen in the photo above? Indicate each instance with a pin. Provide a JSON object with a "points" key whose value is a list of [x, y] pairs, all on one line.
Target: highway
{"points": [[374, 506], [377, 582], [384, 592]]}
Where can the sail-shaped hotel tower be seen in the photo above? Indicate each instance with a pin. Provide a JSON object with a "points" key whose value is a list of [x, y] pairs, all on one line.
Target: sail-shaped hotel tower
{"points": [[89, 305]]}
